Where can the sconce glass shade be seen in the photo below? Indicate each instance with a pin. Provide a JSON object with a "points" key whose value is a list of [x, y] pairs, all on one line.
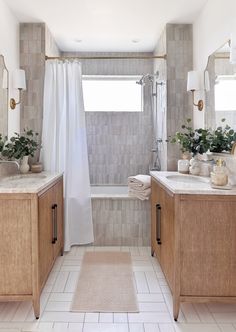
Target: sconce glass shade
{"points": [[193, 82], [5, 79], [19, 81]]}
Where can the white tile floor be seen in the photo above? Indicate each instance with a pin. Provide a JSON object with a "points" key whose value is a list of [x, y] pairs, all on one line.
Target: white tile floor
{"points": [[153, 296]]}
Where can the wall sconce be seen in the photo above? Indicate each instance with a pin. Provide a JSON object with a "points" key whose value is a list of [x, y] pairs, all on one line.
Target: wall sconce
{"points": [[18, 83], [193, 84]]}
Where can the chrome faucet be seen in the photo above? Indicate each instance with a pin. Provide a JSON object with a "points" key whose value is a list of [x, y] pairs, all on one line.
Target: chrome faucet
{"points": [[10, 161]]}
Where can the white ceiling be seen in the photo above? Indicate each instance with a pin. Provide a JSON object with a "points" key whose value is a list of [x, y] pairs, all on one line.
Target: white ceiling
{"points": [[106, 25]]}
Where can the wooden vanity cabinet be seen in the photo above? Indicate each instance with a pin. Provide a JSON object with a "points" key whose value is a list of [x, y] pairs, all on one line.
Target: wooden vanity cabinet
{"points": [[31, 237], [194, 239], [163, 228], [50, 211]]}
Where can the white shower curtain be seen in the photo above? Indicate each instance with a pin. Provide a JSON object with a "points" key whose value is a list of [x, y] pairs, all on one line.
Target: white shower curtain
{"points": [[64, 146]]}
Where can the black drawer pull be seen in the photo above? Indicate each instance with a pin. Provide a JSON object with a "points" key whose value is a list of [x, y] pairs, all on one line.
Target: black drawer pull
{"points": [[158, 224], [54, 223]]}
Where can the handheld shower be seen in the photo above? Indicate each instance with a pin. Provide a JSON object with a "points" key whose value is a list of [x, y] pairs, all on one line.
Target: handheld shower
{"points": [[148, 78]]}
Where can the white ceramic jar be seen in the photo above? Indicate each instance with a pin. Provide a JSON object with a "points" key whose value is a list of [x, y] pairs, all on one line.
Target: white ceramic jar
{"points": [[194, 168], [183, 166]]}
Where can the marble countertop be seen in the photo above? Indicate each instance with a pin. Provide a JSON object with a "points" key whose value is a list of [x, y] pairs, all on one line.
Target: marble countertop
{"points": [[30, 183], [203, 187]]}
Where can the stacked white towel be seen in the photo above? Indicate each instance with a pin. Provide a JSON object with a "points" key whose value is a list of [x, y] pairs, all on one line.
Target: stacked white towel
{"points": [[140, 186]]}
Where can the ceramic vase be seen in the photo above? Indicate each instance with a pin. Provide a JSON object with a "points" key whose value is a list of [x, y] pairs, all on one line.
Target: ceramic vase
{"points": [[183, 166], [24, 165], [194, 168]]}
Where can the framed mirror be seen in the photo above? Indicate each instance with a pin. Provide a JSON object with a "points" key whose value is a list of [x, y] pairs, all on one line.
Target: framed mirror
{"points": [[221, 97], [4, 86]]}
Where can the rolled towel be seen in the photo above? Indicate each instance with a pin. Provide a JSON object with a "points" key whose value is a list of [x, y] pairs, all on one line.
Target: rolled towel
{"points": [[140, 181], [142, 195], [137, 188]]}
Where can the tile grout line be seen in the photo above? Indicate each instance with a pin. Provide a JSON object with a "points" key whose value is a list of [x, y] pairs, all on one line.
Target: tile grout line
{"points": [[50, 292], [147, 282]]}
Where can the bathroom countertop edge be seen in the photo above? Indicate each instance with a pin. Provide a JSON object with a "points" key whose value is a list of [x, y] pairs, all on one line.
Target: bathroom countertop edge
{"points": [[201, 188]]}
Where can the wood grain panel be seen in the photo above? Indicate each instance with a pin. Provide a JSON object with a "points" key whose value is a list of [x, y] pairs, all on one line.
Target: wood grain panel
{"points": [[165, 250], [58, 198], [208, 255], [167, 237], [198, 250], [155, 199], [46, 254], [27, 253], [15, 247]]}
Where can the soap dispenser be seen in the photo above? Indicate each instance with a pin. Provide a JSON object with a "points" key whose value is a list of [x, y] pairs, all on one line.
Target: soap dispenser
{"points": [[219, 176]]}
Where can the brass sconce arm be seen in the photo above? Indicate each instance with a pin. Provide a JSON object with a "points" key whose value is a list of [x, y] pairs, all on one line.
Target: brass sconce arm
{"points": [[194, 83], [19, 83], [199, 104], [13, 102]]}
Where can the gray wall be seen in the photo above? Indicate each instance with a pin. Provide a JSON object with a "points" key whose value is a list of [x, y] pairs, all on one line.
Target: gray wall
{"points": [[119, 144], [121, 222], [173, 101], [179, 46], [32, 60], [35, 42]]}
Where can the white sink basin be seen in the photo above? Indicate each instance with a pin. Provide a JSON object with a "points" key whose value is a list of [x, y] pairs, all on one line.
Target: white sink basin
{"points": [[187, 178]]}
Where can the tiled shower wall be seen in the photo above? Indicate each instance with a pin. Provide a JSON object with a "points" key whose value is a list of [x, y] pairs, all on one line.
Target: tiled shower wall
{"points": [[119, 144], [121, 222], [32, 60], [173, 101], [179, 47], [36, 41]]}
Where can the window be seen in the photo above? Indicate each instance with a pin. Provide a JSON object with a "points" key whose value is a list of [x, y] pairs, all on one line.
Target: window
{"points": [[112, 94], [225, 93]]}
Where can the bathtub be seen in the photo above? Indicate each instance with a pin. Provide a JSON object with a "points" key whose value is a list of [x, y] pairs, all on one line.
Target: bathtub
{"points": [[119, 219]]}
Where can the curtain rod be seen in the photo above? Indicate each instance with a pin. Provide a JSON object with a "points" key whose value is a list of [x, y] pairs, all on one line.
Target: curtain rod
{"points": [[221, 57], [106, 57]]}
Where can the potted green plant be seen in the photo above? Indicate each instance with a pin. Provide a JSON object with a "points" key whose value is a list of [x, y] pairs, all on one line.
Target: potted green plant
{"points": [[20, 147], [222, 138], [192, 140]]}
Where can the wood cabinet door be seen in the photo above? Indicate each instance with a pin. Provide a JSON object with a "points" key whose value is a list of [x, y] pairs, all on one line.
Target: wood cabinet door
{"points": [[167, 236], [15, 246], [156, 199], [46, 253], [59, 217], [163, 229], [208, 245]]}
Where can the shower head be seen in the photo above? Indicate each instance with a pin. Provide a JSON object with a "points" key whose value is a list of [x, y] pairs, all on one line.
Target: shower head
{"points": [[140, 82], [147, 78]]}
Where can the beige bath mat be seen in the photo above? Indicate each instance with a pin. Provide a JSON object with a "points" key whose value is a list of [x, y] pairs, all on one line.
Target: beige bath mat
{"points": [[105, 284]]}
